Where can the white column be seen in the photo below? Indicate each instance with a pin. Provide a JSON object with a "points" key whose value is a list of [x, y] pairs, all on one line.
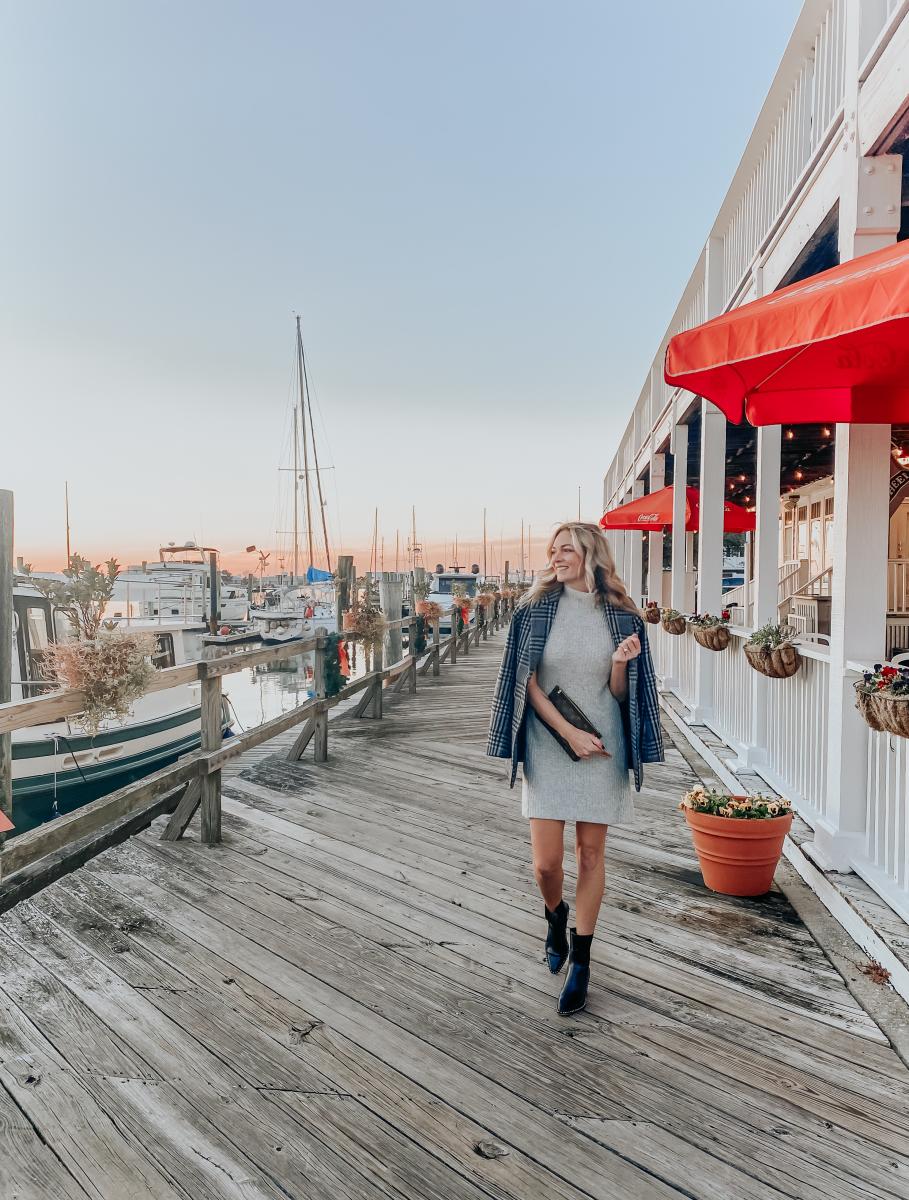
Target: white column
{"points": [[765, 588], [679, 449], [869, 214], [713, 494], [634, 580], [655, 540], [765, 592], [857, 630]]}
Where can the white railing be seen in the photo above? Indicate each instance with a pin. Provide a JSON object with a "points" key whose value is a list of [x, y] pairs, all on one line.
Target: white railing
{"points": [[732, 683], [675, 662], [885, 863], [796, 745], [814, 98]]}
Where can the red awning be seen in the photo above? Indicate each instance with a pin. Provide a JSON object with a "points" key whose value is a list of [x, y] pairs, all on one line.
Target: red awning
{"points": [[834, 347], [654, 512]]}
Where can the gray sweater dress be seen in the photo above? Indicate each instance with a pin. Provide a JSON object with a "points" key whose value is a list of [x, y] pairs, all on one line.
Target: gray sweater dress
{"points": [[578, 657]]}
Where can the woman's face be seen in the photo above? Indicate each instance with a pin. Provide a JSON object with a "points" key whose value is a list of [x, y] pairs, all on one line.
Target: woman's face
{"points": [[567, 563]]}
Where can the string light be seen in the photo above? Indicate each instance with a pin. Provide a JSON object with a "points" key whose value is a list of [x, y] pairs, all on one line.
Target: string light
{"points": [[799, 474], [742, 478], [790, 434], [825, 432]]}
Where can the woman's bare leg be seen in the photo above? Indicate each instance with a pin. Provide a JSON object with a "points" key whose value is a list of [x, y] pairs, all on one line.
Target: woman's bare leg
{"points": [[548, 841], [590, 848]]}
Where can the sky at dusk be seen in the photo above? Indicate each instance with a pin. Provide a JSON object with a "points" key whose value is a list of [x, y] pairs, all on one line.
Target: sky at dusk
{"points": [[484, 213]]}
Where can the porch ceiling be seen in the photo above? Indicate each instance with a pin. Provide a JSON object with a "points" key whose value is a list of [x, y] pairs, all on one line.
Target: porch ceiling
{"points": [[809, 451]]}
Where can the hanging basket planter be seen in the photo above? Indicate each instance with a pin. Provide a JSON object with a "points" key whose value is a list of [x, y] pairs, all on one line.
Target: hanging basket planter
{"points": [[778, 663], [673, 621], [882, 698], [711, 637], [652, 612], [771, 652]]}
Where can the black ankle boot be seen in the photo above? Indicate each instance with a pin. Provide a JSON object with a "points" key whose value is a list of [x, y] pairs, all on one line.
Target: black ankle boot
{"points": [[556, 937], [573, 997]]}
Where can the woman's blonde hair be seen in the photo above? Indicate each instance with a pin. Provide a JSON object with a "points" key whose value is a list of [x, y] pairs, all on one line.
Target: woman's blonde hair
{"points": [[599, 567]]}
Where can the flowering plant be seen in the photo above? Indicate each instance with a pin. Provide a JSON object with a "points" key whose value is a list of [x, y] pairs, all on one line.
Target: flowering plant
{"points": [[709, 621], [771, 636], [112, 670], [893, 681], [671, 614], [721, 804]]}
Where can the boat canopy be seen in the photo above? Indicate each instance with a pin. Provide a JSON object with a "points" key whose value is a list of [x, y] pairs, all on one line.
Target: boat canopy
{"points": [[314, 575]]}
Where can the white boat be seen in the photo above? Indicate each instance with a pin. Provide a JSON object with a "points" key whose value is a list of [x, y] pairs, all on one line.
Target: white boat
{"points": [[53, 761], [178, 586], [300, 611], [441, 593]]}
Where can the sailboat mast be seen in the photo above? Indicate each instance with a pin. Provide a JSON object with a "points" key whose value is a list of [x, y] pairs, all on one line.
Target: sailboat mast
{"points": [[300, 370], [315, 454], [66, 502], [296, 498], [522, 548], [484, 544]]}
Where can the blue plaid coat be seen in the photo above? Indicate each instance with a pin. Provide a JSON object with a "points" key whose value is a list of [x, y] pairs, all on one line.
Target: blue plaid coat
{"points": [[527, 636]]}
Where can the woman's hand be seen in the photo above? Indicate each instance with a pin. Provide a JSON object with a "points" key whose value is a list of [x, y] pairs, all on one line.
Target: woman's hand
{"points": [[628, 649], [586, 745]]}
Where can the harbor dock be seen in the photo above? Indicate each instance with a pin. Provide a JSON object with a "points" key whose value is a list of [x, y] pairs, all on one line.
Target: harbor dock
{"points": [[345, 996]]}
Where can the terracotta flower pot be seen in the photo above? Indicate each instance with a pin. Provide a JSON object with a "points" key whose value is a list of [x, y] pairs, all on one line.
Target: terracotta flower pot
{"points": [[711, 637], [737, 855], [676, 626]]}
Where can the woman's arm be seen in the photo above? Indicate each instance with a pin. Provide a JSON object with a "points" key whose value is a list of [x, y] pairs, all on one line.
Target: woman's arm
{"points": [[618, 678], [583, 744]]}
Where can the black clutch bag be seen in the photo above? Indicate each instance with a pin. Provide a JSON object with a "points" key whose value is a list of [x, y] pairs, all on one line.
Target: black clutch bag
{"points": [[573, 715]]}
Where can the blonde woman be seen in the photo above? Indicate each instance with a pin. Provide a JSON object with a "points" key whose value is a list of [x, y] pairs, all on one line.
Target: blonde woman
{"points": [[578, 630]]}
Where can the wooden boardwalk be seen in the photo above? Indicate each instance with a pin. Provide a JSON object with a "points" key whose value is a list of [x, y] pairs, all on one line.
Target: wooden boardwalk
{"points": [[347, 999]]}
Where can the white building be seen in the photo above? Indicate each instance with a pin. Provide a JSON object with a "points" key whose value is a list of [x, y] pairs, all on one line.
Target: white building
{"points": [[824, 178]]}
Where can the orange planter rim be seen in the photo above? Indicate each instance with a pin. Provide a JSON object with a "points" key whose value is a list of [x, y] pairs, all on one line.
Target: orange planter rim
{"points": [[737, 826]]}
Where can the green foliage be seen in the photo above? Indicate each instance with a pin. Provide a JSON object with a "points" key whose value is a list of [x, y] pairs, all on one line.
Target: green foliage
{"points": [[721, 804], [421, 589], [771, 636], [420, 639], [83, 594], [334, 680]]}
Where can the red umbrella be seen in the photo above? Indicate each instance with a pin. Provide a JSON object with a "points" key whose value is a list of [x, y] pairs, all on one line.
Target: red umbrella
{"points": [[834, 347], [654, 512]]}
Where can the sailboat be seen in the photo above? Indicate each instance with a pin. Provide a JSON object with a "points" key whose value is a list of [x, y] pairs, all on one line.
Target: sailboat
{"points": [[306, 602]]}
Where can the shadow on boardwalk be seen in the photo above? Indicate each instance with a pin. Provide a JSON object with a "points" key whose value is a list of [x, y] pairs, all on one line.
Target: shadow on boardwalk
{"points": [[347, 999]]}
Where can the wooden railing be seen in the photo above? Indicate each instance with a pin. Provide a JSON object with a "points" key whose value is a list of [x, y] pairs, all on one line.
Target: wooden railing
{"points": [[194, 780]]}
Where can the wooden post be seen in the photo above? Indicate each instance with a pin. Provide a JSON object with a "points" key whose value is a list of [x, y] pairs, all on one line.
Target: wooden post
{"points": [[391, 602], [211, 740], [6, 645], [466, 636], [378, 665], [344, 583], [412, 647], [320, 743], [453, 657], [214, 598], [436, 648]]}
